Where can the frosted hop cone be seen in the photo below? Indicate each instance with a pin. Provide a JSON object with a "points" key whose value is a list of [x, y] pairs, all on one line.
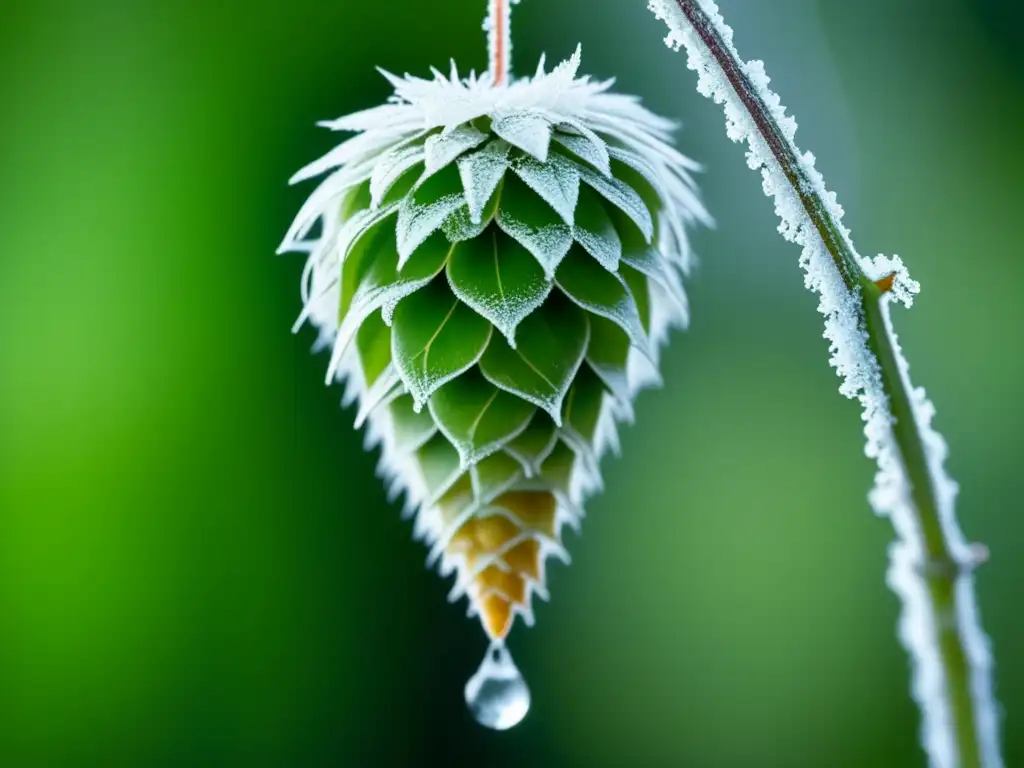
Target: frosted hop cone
{"points": [[495, 270]]}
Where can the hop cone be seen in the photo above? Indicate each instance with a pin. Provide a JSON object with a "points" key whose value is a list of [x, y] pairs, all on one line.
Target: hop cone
{"points": [[495, 271]]}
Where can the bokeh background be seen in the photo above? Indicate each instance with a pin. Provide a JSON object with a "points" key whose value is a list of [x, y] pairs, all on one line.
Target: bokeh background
{"points": [[197, 566]]}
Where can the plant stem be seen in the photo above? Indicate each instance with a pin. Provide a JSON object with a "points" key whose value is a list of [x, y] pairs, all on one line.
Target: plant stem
{"points": [[499, 39], [935, 582]]}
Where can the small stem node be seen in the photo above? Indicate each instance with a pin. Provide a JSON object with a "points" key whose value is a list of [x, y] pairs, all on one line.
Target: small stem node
{"points": [[886, 284]]}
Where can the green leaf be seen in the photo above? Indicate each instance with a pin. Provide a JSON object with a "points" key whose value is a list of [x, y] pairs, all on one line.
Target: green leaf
{"points": [[536, 442], [422, 213], [373, 341], [633, 240], [637, 283], [558, 472], [454, 506], [638, 173], [460, 225], [395, 174], [354, 228], [648, 375], [495, 475], [603, 293], [652, 264], [622, 196], [523, 215], [439, 467], [498, 278], [528, 131], [585, 145], [595, 230], [412, 429], [371, 280], [360, 259], [551, 344], [357, 199], [556, 182], [481, 173], [442, 149], [608, 356], [434, 338], [582, 414], [477, 417], [557, 469], [383, 391]]}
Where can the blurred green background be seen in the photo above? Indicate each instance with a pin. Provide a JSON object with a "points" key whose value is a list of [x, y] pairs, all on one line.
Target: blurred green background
{"points": [[197, 566]]}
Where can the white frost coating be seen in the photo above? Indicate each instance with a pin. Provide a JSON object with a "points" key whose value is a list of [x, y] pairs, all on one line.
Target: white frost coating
{"points": [[623, 197], [529, 131], [443, 149], [549, 245], [390, 169], [555, 115], [592, 150], [481, 172], [861, 375], [604, 245], [418, 222], [556, 181]]}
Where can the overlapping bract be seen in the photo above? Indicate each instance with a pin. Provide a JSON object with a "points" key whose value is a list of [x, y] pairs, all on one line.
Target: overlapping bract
{"points": [[496, 271]]}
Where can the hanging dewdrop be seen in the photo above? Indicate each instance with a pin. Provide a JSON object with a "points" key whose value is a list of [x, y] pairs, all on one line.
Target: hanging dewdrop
{"points": [[498, 265]]}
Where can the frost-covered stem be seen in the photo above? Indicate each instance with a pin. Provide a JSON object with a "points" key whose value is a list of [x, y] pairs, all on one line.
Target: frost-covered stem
{"points": [[931, 564], [499, 39]]}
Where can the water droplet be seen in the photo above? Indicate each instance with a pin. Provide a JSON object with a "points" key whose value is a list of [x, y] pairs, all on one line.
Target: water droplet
{"points": [[497, 694]]}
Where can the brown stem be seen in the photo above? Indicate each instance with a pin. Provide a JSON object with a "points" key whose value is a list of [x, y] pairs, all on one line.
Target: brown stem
{"points": [[500, 37]]}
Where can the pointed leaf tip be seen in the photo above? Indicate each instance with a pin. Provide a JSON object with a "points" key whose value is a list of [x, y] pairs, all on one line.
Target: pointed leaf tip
{"points": [[596, 232], [526, 217], [499, 279], [555, 181], [528, 131], [551, 344], [477, 417], [435, 337], [481, 173], [425, 210], [444, 148]]}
